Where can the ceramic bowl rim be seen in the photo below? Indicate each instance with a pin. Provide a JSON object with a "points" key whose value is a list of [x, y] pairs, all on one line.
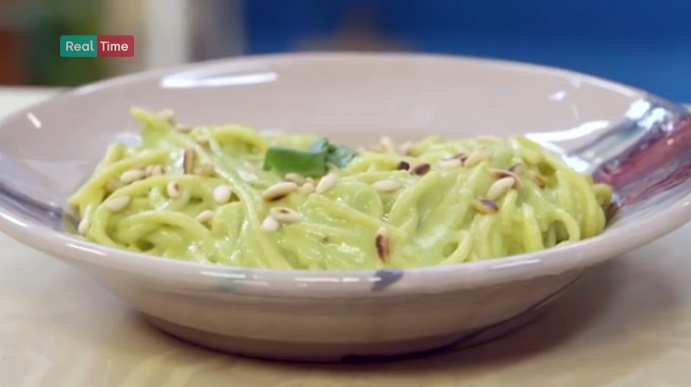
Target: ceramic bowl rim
{"points": [[327, 283]]}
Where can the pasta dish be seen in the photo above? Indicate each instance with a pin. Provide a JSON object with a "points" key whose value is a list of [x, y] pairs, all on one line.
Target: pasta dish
{"points": [[231, 195]]}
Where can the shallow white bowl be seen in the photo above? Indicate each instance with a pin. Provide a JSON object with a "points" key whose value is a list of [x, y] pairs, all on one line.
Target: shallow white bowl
{"points": [[638, 143]]}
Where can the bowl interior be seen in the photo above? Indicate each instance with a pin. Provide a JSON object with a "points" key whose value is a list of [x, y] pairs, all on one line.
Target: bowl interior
{"points": [[354, 100], [48, 150]]}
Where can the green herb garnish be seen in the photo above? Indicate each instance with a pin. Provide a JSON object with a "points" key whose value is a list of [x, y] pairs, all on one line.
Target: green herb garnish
{"points": [[340, 156], [312, 162], [285, 160]]}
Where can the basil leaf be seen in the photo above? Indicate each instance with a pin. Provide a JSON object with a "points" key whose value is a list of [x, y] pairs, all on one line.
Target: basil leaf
{"points": [[312, 162], [286, 160], [319, 145], [340, 156]]}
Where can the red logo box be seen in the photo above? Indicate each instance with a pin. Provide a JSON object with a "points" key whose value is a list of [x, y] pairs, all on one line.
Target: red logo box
{"points": [[115, 45]]}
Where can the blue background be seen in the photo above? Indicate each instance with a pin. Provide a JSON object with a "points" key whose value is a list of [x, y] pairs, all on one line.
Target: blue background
{"points": [[646, 44]]}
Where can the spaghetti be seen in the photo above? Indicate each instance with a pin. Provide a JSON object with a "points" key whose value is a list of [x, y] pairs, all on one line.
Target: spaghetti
{"points": [[209, 194]]}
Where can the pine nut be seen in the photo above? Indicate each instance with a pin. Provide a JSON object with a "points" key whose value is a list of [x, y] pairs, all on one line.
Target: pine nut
{"points": [[222, 194], [500, 173], [204, 216], [269, 224], [286, 215], [279, 191], [326, 183], [477, 157], [118, 204], [173, 189], [188, 161], [540, 180], [421, 169], [500, 187], [383, 244], [385, 186], [132, 175], [485, 206], [307, 188]]}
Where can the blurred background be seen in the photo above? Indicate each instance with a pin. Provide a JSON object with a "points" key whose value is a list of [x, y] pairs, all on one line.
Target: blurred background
{"points": [[644, 43]]}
